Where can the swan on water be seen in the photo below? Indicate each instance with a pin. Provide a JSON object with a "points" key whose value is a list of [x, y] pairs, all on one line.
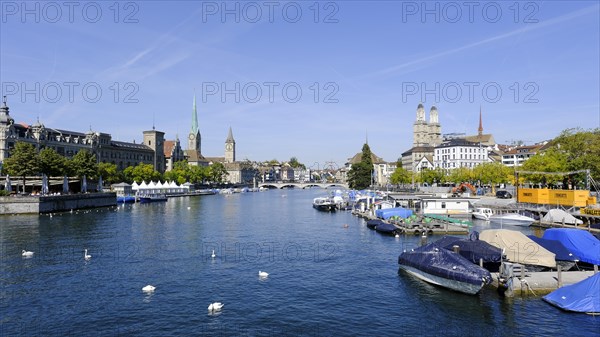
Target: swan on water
{"points": [[148, 289], [215, 306], [86, 255], [263, 273], [26, 253], [213, 255]]}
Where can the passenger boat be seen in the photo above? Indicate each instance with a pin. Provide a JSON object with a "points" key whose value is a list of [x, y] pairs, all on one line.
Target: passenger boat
{"points": [[482, 213], [436, 265], [324, 204], [512, 219]]}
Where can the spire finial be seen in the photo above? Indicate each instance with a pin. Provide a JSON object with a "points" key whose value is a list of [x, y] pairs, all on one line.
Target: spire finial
{"points": [[480, 129], [367, 137], [4, 100]]}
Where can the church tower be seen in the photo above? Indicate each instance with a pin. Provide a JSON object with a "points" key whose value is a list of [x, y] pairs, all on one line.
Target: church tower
{"points": [[7, 131], [194, 138], [230, 147], [420, 128], [435, 130]]}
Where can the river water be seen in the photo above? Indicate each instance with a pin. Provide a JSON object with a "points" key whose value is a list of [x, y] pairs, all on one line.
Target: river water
{"points": [[325, 279]]}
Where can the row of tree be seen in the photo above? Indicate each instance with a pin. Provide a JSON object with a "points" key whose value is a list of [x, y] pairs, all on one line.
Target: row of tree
{"points": [[25, 160]]}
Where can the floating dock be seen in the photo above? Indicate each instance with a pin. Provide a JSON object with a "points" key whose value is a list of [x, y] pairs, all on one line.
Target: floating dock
{"points": [[440, 226]]}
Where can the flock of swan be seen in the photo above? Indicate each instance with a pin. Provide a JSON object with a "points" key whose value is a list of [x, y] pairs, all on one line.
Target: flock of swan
{"points": [[148, 289]]}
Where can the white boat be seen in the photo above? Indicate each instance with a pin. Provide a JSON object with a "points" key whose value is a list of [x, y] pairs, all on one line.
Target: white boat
{"points": [[324, 204], [482, 213], [513, 219]]}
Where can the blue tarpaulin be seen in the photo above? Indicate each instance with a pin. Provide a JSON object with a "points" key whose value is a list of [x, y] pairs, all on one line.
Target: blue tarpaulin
{"points": [[562, 253], [390, 212], [472, 250], [579, 242], [582, 296]]}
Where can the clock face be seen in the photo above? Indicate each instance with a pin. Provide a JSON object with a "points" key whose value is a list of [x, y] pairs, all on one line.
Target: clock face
{"points": [[191, 136], [228, 147]]}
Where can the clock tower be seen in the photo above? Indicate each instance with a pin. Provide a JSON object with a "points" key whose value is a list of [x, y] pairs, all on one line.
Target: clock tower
{"points": [[194, 138], [230, 148]]}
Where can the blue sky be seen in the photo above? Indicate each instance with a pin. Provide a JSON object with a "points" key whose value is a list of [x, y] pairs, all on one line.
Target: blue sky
{"points": [[362, 68]]}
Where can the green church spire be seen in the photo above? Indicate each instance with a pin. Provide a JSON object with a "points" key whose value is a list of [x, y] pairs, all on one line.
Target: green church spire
{"points": [[194, 118]]}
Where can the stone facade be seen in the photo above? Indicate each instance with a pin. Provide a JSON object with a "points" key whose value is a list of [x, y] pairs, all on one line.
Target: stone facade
{"points": [[426, 136], [68, 143]]}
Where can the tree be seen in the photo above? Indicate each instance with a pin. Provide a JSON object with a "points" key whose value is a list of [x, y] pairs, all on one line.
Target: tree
{"points": [[84, 163], [436, 175], [360, 174], [551, 160], [581, 149], [199, 174], [294, 163], [110, 173], [217, 173], [400, 176], [493, 174], [460, 174], [141, 172], [52, 163], [23, 161]]}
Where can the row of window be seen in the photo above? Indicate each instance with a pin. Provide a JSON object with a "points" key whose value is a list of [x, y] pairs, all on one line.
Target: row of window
{"points": [[460, 150]]}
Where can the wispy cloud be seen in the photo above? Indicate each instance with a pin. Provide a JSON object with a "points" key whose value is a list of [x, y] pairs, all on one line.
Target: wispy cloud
{"points": [[526, 29]]}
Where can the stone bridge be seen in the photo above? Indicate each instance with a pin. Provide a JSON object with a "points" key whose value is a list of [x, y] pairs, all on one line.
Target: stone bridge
{"points": [[302, 185]]}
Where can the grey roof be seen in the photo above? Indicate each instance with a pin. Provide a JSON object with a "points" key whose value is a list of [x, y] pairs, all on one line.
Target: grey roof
{"points": [[116, 143]]}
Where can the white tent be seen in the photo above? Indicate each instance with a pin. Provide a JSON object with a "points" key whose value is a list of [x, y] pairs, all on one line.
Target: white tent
{"points": [[558, 215]]}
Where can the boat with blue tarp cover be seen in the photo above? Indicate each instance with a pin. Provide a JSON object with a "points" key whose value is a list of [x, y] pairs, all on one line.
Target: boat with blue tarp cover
{"points": [[583, 296], [373, 223], [437, 265], [564, 257], [474, 250], [386, 228], [579, 242]]}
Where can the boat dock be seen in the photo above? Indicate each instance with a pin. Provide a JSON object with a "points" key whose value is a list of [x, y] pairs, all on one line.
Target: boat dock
{"points": [[439, 226], [516, 281]]}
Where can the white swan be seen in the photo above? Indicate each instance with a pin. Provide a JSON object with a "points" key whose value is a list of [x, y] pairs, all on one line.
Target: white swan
{"points": [[26, 253], [86, 255], [263, 273], [215, 306], [148, 289], [213, 255]]}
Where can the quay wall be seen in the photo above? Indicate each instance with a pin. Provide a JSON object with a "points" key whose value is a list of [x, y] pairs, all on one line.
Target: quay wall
{"points": [[55, 203]]}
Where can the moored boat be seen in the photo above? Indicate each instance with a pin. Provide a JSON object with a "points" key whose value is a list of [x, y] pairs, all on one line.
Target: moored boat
{"points": [[386, 228], [583, 296], [482, 213], [511, 219], [373, 223], [436, 265], [324, 204]]}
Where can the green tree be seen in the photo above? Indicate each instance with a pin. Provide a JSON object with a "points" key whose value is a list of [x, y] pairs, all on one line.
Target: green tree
{"points": [[217, 173], [294, 163], [141, 172], [84, 163], [23, 161], [110, 173], [551, 160], [581, 148], [199, 174], [400, 176], [360, 174], [436, 175], [493, 174], [52, 163], [460, 174]]}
